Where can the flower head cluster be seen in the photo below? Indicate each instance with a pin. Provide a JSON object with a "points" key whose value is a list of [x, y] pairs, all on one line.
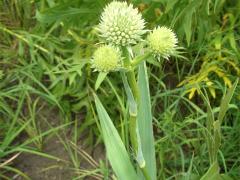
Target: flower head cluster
{"points": [[106, 58], [162, 41], [121, 24]]}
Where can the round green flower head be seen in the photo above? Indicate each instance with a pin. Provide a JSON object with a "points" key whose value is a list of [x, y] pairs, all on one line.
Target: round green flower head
{"points": [[106, 58], [121, 24], [162, 41]]}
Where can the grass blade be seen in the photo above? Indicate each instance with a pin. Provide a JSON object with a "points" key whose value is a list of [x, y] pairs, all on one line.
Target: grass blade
{"points": [[225, 102]]}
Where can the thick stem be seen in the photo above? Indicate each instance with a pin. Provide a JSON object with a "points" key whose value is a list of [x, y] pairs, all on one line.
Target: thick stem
{"points": [[133, 117], [140, 59], [133, 85], [136, 94], [132, 131]]}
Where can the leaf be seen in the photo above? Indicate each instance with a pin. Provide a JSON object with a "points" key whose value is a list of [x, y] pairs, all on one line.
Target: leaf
{"points": [[192, 92], [227, 81], [217, 5], [188, 27], [207, 9], [170, 5], [72, 13], [100, 79], [140, 158], [115, 148], [189, 12], [225, 177], [190, 177], [16, 171], [131, 100], [212, 91], [144, 119], [209, 123], [217, 135], [72, 77], [59, 13], [212, 173], [225, 102], [232, 41], [133, 112]]}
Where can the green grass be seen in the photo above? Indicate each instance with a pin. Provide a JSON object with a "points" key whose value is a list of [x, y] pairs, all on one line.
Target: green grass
{"points": [[45, 48]]}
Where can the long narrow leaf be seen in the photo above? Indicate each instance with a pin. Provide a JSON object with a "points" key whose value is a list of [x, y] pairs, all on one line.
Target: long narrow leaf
{"points": [[212, 173], [116, 151], [225, 102], [145, 122]]}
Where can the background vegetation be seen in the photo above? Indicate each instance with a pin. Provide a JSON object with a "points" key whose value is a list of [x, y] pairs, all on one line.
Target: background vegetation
{"points": [[46, 86]]}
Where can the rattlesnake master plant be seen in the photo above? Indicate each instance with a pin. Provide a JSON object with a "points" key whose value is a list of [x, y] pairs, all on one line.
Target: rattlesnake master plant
{"points": [[106, 58], [162, 41], [121, 24], [121, 27]]}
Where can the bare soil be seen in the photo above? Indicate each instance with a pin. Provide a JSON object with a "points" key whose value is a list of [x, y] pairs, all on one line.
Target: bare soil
{"points": [[41, 168]]}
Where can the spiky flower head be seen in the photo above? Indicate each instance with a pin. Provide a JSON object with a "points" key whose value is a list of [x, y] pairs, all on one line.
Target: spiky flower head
{"points": [[162, 41], [121, 24], [106, 58]]}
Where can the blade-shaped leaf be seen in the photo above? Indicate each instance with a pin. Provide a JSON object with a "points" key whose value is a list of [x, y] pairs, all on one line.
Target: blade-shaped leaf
{"points": [[131, 100], [61, 12], [225, 102], [100, 79], [212, 173], [115, 148], [144, 119]]}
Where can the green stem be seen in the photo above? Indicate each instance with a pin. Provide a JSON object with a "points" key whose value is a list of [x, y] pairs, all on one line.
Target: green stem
{"points": [[140, 59], [133, 118], [134, 87], [132, 131], [145, 173], [131, 78]]}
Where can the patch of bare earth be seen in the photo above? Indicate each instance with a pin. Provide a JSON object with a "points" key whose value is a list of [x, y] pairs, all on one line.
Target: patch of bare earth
{"points": [[41, 168]]}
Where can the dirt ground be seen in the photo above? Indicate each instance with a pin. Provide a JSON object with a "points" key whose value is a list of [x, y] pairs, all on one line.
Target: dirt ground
{"points": [[36, 166], [41, 168]]}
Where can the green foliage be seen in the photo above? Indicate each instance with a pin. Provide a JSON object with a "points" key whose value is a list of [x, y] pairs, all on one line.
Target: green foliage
{"points": [[45, 49], [145, 122], [116, 151]]}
